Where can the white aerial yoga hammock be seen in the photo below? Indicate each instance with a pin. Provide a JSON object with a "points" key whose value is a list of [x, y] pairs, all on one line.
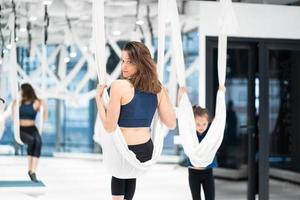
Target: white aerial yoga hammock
{"points": [[118, 159], [14, 84], [202, 154], [43, 88], [2, 120], [4, 113]]}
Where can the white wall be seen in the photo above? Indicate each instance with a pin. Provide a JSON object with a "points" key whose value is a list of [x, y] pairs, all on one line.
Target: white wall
{"points": [[254, 21]]}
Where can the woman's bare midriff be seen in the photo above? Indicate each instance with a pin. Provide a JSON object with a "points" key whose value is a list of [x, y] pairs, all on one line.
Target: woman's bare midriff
{"points": [[27, 122], [134, 136]]}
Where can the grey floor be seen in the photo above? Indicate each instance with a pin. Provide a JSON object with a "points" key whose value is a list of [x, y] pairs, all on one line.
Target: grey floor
{"points": [[86, 179]]}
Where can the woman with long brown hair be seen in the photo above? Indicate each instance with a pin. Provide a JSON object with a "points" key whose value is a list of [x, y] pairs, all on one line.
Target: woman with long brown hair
{"points": [[133, 102], [30, 105]]}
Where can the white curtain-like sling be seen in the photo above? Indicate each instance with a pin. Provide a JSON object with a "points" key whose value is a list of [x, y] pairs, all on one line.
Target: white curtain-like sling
{"points": [[202, 154], [4, 113], [14, 84], [118, 159], [1, 118], [43, 88]]}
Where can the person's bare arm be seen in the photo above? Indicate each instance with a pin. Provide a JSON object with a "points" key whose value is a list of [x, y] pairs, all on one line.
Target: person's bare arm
{"points": [[45, 112], [109, 115], [37, 106], [165, 110]]}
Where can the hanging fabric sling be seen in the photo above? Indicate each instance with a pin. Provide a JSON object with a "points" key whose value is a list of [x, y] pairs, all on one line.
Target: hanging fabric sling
{"points": [[14, 84], [202, 154], [118, 159], [1, 115]]}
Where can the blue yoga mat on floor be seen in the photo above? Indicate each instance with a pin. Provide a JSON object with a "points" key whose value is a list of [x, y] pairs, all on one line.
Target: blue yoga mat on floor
{"points": [[21, 184]]}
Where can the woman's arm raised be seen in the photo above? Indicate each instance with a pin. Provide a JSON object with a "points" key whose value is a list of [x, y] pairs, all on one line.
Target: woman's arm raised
{"points": [[109, 115], [165, 109]]}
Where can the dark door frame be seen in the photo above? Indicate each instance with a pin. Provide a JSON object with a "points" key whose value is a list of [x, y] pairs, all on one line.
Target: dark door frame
{"points": [[264, 145], [251, 123], [263, 48]]}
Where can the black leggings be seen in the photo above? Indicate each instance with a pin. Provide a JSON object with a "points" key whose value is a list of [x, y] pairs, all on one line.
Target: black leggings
{"points": [[30, 136], [204, 178], [126, 187]]}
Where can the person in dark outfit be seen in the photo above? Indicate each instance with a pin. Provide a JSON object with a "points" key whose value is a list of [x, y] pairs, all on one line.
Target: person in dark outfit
{"points": [[30, 105], [202, 176]]}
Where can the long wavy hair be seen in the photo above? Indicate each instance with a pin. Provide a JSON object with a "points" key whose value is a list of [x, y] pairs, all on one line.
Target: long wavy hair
{"points": [[28, 93], [146, 77]]}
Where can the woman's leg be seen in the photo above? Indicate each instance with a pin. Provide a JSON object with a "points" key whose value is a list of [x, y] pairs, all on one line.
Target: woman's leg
{"points": [[209, 185], [36, 150], [34, 164], [143, 153], [117, 197], [29, 163], [117, 188], [130, 188], [195, 184], [28, 139]]}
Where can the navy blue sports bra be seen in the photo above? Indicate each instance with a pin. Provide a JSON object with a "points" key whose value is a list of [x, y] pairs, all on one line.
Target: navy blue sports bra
{"points": [[27, 111], [139, 111]]}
